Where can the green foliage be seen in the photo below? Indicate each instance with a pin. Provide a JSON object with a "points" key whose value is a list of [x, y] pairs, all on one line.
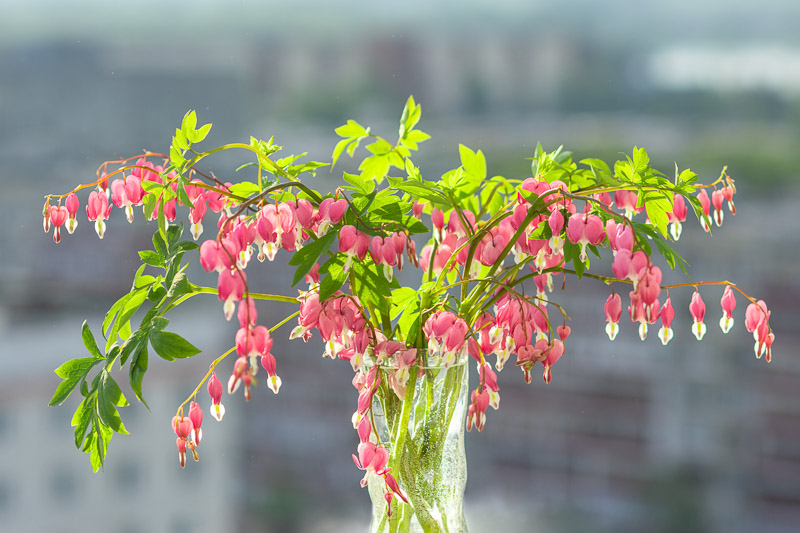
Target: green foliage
{"points": [[382, 199], [97, 418], [305, 258]]}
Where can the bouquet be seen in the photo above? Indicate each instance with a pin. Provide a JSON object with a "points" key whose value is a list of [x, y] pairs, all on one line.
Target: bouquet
{"points": [[485, 254]]}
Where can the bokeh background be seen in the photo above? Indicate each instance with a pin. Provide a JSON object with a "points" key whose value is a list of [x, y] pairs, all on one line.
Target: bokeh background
{"points": [[630, 436]]}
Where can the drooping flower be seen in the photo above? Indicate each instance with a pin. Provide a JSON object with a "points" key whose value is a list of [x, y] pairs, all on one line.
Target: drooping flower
{"points": [[273, 380], [98, 210], [230, 288], [58, 216], [127, 193], [717, 197], [613, 311], [214, 388], [677, 216], [584, 230], [756, 321], [728, 302], [667, 314], [697, 308], [330, 213], [183, 429], [196, 416], [72, 205]]}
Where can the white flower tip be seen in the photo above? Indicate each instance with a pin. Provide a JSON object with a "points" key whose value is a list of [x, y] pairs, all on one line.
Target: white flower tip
{"points": [[217, 411], [197, 230], [228, 308], [274, 383], [665, 334], [233, 384], [699, 330], [612, 328], [643, 330], [725, 323]]}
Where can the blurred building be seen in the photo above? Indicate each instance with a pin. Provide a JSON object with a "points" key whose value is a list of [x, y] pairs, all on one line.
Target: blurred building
{"points": [[629, 436]]}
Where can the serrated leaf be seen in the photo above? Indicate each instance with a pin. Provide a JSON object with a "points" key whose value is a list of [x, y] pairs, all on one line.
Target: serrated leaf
{"points": [[171, 346], [305, 258]]}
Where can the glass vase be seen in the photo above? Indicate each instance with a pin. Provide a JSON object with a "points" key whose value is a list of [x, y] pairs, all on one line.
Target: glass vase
{"points": [[424, 434]]}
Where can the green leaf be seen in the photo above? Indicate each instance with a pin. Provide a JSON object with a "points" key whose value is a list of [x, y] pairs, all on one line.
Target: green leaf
{"points": [[133, 301], [336, 276], [109, 395], [640, 161], [305, 258], [160, 246], [426, 191], [89, 342], [657, 207], [180, 286], [473, 162], [152, 187], [80, 420], [200, 134], [365, 185], [151, 258], [149, 201], [138, 368], [408, 324], [180, 141], [372, 287], [401, 298], [171, 346], [374, 167], [189, 122], [245, 189], [352, 129], [72, 372], [133, 343], [412, 112], [161, 219]]}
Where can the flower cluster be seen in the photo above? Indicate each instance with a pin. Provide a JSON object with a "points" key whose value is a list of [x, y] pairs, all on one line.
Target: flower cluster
{"points": [[485, 242]]}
